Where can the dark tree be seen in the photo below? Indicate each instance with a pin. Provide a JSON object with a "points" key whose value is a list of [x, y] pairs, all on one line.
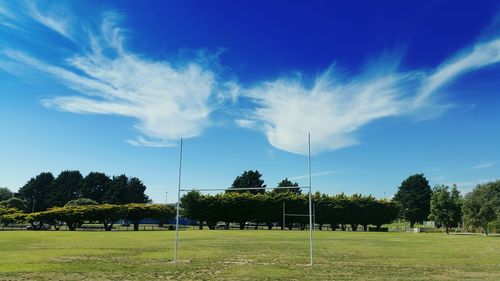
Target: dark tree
{"points": [[287, 183], [414, 196], [67, 186], [37, 191], [94, 186], [249, 179], [123, 190], [135, 190], [117, 190], [5, 193]]}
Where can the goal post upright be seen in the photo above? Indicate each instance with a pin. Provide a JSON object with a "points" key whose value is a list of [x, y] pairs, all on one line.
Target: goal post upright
{"points": [[177, 207], [311, 226]]}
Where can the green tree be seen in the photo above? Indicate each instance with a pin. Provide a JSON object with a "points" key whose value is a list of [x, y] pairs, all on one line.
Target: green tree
{"points": [[66, 187], [482, 205], [5, 193], [14, 203], [36, 192], [249, 179], [414, 196], [444, 207], [81, 202], [288, 183], [94, 186]]}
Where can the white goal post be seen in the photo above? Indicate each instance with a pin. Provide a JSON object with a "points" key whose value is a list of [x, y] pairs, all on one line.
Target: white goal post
{"points": [[309, 187]]}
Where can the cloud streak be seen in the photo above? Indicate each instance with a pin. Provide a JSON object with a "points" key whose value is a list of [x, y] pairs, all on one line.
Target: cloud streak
{"points": [[319, 174], [169, 99], [483, 166], [333, 108]]}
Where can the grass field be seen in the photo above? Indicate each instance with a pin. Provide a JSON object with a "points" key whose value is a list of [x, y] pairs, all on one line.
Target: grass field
{"points": [[246, 255]]}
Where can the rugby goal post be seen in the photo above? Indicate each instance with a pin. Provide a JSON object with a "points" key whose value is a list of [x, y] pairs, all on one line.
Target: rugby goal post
{"points": [[309, 187]]}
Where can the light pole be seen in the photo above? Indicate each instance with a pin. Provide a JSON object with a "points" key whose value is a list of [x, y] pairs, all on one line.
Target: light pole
{"points": [[166, 198]]}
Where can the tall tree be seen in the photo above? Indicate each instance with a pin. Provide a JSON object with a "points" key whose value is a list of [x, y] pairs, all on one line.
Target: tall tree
{"points": [[482, 205], [94, 186], [67, 186], [117, 190], [123, 190], [5, 193], [136, 191], [248, 179], [288, 183], [36, 192], [414, 196], [444, 207]]}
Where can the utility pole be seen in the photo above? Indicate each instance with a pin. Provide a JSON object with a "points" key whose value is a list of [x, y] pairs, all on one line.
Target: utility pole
{"points": [[166, 198]]}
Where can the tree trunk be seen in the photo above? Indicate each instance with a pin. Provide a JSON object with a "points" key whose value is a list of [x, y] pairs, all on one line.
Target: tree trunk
{"points": [[136, 225], [227, 226], [333, 226], [342, 227], [412, 224], [72, 225], [270, 225], [365, 227], [242, 225], [256, 226], [354, 227], [200, 226], [320, 226], [211, 225], [485, 229]]}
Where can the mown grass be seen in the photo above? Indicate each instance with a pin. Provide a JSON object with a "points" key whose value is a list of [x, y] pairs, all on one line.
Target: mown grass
{"points": [[246, 255]]}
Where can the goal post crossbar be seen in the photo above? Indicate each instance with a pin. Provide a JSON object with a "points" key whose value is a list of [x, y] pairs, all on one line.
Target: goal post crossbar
{"points": [[230, 189]]}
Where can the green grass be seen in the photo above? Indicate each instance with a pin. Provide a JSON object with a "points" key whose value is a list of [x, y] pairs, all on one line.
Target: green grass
{"points": [[246, 255]]}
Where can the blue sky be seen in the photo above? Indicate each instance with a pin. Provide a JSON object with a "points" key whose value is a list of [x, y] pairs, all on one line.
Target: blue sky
{"points": [[386, 89]]}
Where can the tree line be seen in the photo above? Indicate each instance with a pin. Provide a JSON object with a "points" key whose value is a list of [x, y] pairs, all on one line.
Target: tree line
{"points": [[267, 208], [415, 201], [45, 191], [74, 215]]}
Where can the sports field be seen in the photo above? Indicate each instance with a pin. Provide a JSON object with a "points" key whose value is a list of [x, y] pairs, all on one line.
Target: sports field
{"points": [[246, 255]]}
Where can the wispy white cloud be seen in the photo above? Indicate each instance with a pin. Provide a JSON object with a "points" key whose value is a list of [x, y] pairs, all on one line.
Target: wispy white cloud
{"points": [[319, 174], [483, 166], [334, 108], [169, 99], [55, 17]]}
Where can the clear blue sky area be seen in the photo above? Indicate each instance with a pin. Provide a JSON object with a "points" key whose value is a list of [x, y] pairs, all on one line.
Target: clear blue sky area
{"points": [[386, 89]]}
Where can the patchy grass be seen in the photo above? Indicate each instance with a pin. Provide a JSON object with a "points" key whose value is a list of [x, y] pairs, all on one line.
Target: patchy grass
{"points": [[246, 255]]}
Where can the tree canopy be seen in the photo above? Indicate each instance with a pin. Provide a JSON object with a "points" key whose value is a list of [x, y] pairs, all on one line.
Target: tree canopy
{"points": [[5, 193], [44, 191], [414, 196], [248, 179], [445, 206], [287, 183], [482, 205]]}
